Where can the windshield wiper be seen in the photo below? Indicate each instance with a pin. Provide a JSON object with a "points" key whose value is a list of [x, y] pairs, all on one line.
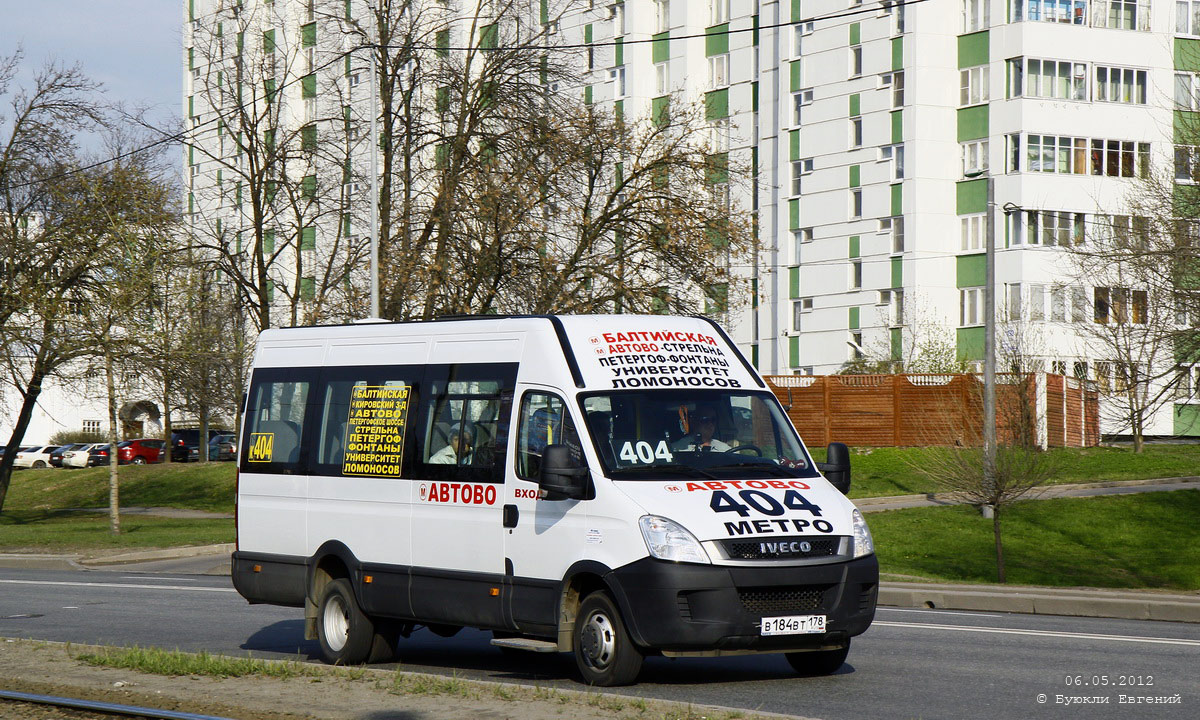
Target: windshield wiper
{"points": [[679, 469], [758, 465]]}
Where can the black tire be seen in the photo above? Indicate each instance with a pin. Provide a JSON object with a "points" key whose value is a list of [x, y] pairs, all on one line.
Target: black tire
{"points": [[347, 636], [38, 464], [818, 662], [138, 460], [603, 651]]}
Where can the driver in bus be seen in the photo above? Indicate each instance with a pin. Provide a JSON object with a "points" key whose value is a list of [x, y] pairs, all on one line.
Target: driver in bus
{"points": [[703, 428]]}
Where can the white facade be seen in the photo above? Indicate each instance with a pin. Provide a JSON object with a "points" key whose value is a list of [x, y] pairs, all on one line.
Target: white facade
{"points": [[881, 134]]}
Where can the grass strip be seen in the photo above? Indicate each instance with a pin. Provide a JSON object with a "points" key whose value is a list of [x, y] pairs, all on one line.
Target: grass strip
{"points": [[61, 531], [1140, 541], [175, 663]]}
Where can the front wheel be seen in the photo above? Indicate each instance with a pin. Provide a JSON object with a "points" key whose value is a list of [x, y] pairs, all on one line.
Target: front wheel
{"points": [[603, 651], [818, 662]]}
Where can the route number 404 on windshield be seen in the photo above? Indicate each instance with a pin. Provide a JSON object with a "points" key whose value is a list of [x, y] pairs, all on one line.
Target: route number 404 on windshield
{"points": [[761, 502], [644, 453]]}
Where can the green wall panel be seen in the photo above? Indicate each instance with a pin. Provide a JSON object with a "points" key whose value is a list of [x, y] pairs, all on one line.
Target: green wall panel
{"points": [[855, 33], [794, 214], [897, 199], [716, 40], [970, 270], [796, 78], [794, 282], [855, 175], [855, 104], [660, 47], [897, 344], [794, 144], [855, 246], [973, 123], [852, 318], [973, 49], [897, 272], [1187, 420], [970, 343], [897, 126], [716, 104], [1187, 54], [971, 196], [793, 351], [898, 53]]}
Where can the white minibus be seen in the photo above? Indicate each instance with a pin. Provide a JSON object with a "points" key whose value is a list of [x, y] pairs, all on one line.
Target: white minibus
{"points": [[615, 486]]}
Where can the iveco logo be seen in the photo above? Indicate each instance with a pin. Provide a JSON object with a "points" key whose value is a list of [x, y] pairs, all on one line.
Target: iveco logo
{"points": [[785, 548]]}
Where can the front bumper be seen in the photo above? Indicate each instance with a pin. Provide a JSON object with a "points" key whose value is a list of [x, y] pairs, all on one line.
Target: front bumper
{"points": [[683, 607]]}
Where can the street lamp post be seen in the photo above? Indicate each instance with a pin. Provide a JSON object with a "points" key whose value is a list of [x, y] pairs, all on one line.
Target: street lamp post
{"points": [[989, 340]]}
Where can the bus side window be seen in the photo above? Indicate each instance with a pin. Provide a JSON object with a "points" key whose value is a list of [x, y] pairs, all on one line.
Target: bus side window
{"points": [[464, 422]]}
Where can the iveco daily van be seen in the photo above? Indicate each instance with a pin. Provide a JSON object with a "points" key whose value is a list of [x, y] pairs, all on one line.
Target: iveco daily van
{"points": [[612, 486]]}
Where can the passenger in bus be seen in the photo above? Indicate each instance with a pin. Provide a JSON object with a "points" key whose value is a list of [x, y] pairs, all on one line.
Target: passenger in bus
{"points": [[459, 447], [700, 437]]}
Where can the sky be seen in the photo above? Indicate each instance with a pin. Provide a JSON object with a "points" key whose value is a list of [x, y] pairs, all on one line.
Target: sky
{"points": [[133, 47]]}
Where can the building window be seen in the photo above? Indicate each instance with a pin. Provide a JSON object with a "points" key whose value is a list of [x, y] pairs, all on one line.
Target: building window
{"points": [[1187, 17], [856, 132], [974, 157], [617, 77], [1119, 306], [662, 78], [718, 71], [1069, 12], [1050, 227], [856, 61], [800, 168], [970, 301], [856, 274], [799, 100], [895, 155], [1187, 91], [894, 226], [1055, 79], [856, 203], [718, 135], [91, 426], [896, 308], [799, 308], [1121, 85], [856, 348], [616, 13], [718, 12], [973, 229], [662, 15], [1012, 295], [976, 15], [1122, 14], [896, 81], [973, 85]]}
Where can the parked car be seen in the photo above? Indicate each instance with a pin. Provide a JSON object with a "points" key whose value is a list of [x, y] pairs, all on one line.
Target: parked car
{"points": [[140, 451], [56, 457], [34, 457], [78, 458], [222, 447], [185, 444], [99, 455]]}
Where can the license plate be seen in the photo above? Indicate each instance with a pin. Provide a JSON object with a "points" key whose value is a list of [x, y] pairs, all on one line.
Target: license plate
{"points": [[793, 625]]}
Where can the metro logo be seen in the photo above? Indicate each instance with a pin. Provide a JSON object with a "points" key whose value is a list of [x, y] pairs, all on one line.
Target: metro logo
{"points": [[261, 446]]}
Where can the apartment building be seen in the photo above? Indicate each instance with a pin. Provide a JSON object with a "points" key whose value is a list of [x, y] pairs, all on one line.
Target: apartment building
{"points": [[889, 142]]}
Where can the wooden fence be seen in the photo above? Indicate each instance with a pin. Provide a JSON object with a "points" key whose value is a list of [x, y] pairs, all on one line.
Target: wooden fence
{"points": [[916, 410]]}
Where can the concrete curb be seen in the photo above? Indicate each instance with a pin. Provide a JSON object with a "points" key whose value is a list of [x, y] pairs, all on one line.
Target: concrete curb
{"points": [[163, 554], [1080, 602]]}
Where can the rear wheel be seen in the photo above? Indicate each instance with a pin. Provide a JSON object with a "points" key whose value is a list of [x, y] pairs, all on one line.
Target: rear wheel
{"points": [[38, 464], [138, 460], [345, 633], [818, 662], [603, 651]]}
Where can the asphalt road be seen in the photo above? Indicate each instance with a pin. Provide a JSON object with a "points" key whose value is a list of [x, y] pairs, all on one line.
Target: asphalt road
{"points": [[910, 664]]}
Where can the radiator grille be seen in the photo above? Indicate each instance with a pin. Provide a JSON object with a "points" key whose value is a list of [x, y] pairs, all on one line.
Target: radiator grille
{"points": [[781, 548], [783, 600]]}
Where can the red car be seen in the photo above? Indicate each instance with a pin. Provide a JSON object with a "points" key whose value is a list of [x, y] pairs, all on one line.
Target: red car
{"points": [[140, 452]]}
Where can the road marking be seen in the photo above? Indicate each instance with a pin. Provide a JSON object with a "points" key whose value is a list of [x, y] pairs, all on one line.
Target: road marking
{"points": [[1041, 633], [119, 585], [165, 579], [944, 612]]}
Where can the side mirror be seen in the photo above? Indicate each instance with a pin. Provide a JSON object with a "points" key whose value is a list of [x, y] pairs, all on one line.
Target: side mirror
{"points": [[836, 467], [561, 478]]}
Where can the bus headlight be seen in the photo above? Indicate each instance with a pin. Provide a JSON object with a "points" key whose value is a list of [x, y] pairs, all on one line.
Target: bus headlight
{"points": [[863, 545], [668, 540]]}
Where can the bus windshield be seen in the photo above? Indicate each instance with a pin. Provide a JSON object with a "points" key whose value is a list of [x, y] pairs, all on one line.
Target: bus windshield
{"points": [[653, 434]]}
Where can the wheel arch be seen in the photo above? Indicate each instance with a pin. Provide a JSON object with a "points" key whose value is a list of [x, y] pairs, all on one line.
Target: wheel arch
{"points": [[580, 580], [332, 561]]}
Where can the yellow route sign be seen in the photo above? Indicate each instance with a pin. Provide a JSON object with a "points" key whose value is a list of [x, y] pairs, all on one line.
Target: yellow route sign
{"points": [[375, 430]]}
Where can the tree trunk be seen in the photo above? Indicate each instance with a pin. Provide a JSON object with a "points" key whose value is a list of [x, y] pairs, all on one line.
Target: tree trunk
{"points": [[22, 424], [114, 482], [999, 545]]}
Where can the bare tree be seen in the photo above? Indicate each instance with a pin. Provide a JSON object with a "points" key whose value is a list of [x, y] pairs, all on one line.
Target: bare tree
{"points": [[40, 272]]}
